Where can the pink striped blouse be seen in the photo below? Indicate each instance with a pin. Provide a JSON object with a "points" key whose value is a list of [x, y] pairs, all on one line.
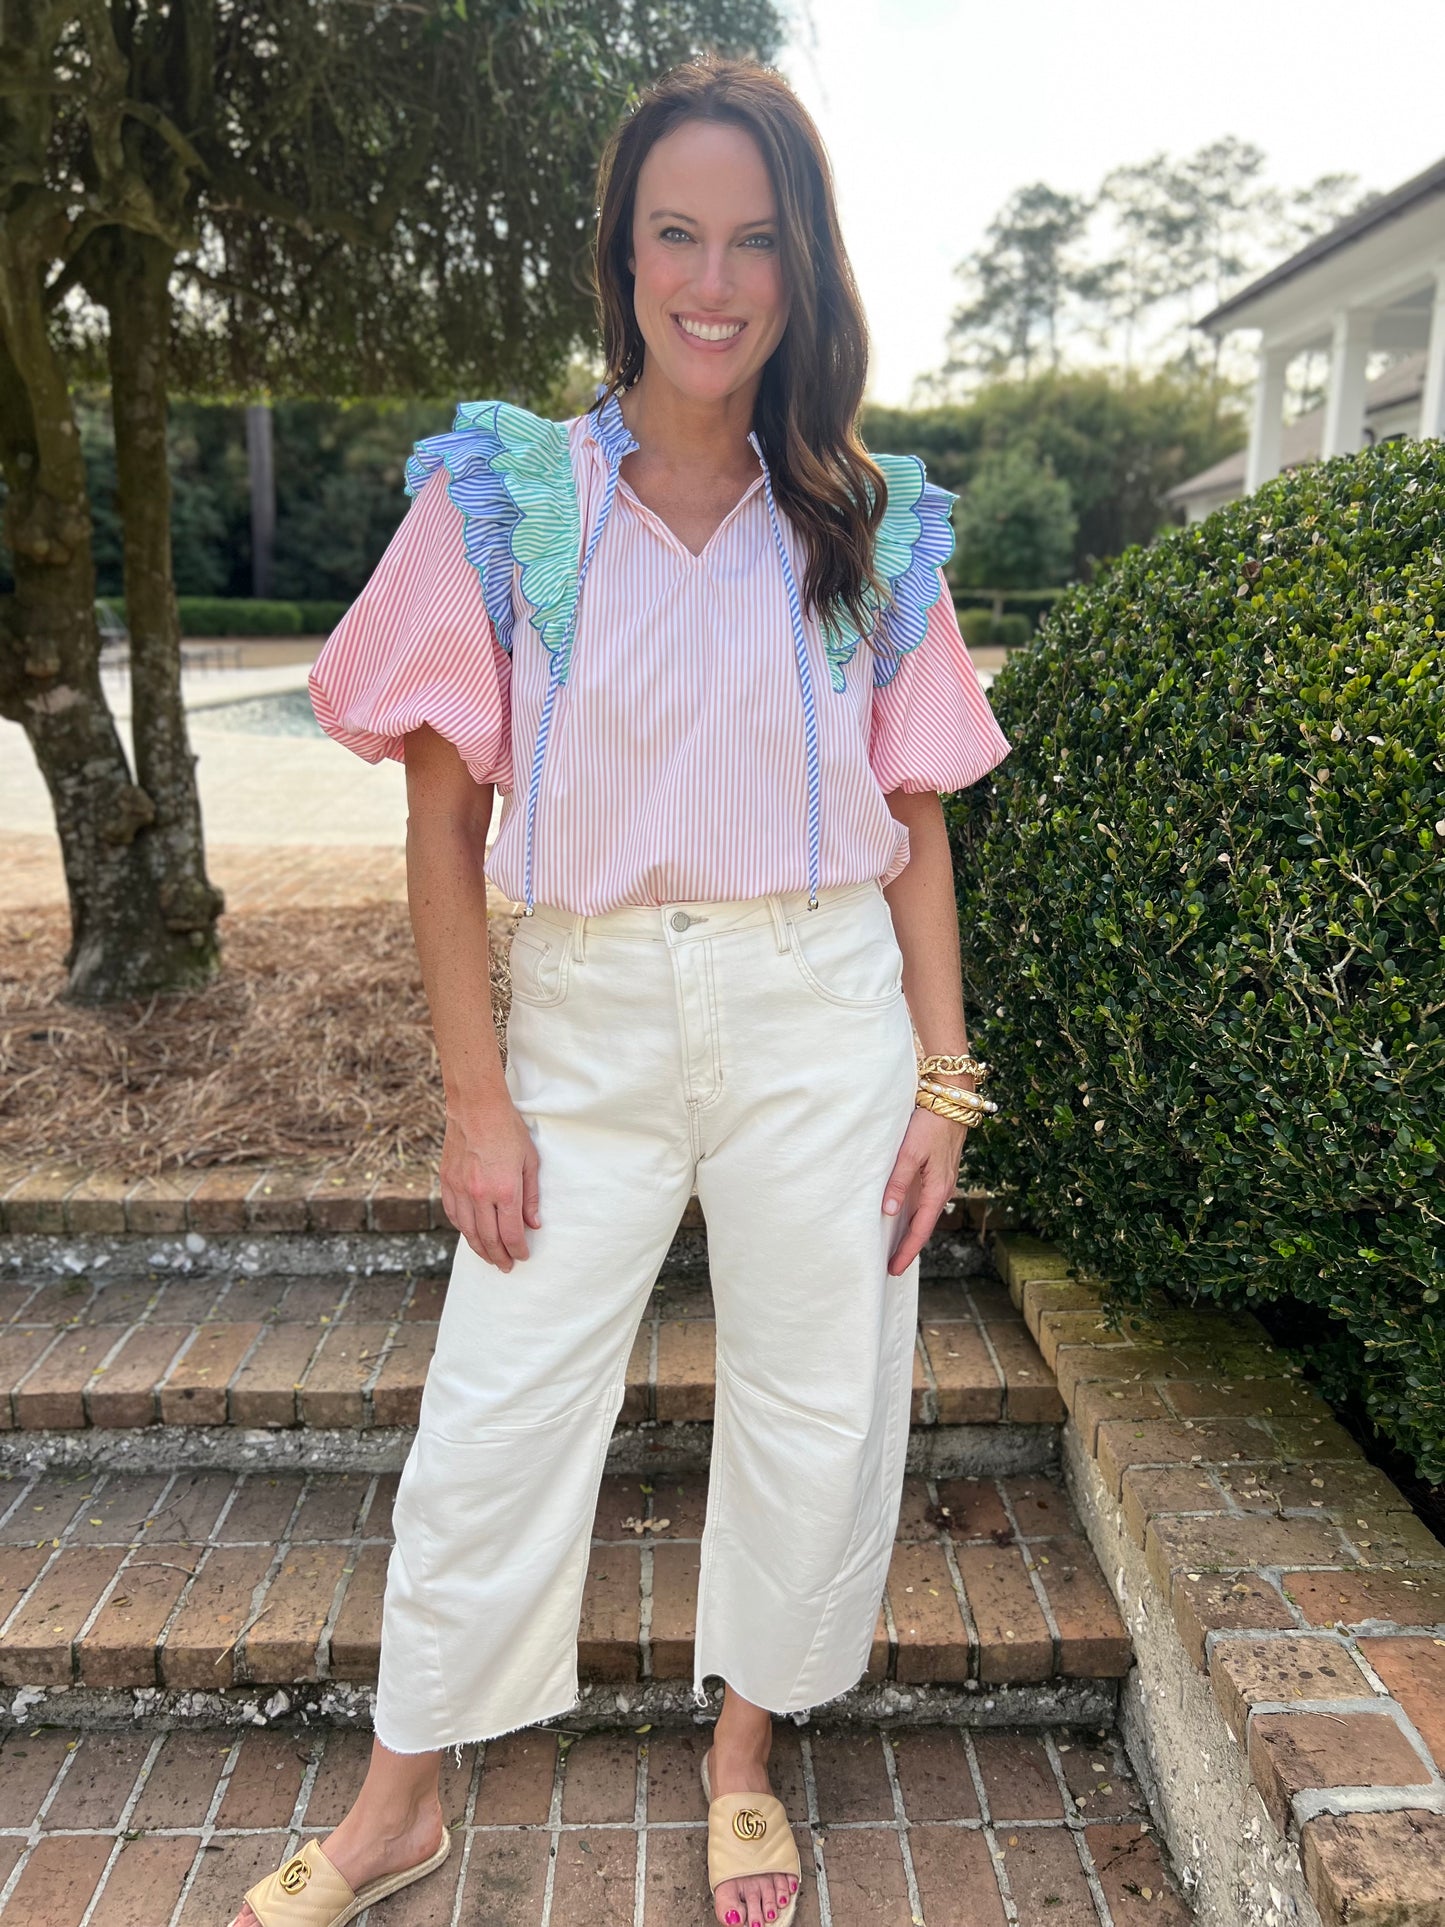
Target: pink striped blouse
{"points": [[678, 760]]}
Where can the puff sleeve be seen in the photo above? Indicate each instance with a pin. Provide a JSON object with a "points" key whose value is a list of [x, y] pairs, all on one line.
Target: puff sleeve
{"points": [[418, 646], [932, 727]]}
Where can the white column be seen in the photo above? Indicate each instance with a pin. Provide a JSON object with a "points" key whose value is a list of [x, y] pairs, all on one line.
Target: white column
{"points": [[1345, 407], [1267, 424], [1432, 412]]}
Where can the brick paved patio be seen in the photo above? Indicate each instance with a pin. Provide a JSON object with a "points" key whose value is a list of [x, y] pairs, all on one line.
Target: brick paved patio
{"points": [[936, 1827]]}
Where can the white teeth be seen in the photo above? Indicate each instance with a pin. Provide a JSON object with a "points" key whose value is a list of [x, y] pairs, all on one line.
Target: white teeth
{"points": [[711, 331]]}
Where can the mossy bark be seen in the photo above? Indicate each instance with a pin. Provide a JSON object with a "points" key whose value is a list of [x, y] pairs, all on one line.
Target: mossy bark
{"points": [[50, 683], [138, 302]]}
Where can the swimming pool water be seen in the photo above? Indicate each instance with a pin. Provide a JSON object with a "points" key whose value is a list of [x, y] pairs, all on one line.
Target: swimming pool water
{"points": [[286, 714]]}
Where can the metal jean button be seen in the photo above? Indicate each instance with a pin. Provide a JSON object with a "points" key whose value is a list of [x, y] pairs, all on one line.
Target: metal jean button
{"points": [[681, 920]]}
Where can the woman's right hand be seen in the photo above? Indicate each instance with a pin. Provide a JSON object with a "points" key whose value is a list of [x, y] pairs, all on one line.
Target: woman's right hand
{"points": [[489, 1179]]}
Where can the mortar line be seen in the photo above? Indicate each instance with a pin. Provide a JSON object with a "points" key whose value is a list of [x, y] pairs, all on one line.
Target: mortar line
{"points": [[182, 1346], [960, 1591], [58, 1544], [363, 1511], [957, 1824], [57, 1333], [1056, 1638], [929, 1415], [468, 1832], [207, 1828], [353, 1544], [1075, 1828], [33, 1834], [902, 1823], [368, 1385], [261, 1590], [820, 1869], [122, 1822], [654, 1334], [986, 1827], [309, 1775], [25, 1484], [639, 1826], [554, 1832], [208, 1552], [137, 1545], [104, 1365], [994, 1358]]}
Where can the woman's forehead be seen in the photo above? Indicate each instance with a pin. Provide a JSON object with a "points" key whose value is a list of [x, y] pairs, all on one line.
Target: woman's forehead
{"points": [[703, 168]]}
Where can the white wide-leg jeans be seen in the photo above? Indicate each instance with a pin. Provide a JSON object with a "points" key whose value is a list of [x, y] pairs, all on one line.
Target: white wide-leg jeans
{"points": [[763, 1053]]}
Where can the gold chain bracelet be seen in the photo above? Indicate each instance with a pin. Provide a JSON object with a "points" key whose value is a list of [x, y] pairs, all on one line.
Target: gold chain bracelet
{"points": [[962, 1065]]}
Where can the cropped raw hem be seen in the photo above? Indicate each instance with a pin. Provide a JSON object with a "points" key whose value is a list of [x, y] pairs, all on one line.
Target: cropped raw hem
{"points": [[476, 1739]]}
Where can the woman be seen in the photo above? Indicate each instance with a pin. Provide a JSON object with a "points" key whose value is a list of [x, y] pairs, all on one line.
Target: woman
{"points": [[702, 643]]}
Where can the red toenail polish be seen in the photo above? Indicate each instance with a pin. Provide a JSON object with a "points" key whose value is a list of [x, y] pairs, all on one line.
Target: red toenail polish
{"points": [[733, 1914]]}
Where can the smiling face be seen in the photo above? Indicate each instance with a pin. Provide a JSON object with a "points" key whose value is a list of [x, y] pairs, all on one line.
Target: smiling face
{"points": [[708, 282]]}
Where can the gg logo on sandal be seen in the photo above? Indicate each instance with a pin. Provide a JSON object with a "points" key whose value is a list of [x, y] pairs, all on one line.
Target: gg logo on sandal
{"points": [[294, 1875], [749, 1824]]}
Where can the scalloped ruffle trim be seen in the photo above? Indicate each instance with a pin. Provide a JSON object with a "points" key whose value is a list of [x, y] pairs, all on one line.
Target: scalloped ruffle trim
{"points": [[509, 472]]}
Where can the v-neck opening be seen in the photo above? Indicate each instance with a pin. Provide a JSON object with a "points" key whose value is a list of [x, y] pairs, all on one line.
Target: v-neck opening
{"points": [[675, 540]]}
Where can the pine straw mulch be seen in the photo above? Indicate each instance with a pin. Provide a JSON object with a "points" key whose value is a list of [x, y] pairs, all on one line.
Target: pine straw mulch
{"points": [[312, 1046]]}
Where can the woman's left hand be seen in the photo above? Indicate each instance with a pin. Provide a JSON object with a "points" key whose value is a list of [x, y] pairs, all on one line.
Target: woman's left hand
{"points": [[925, 1172]]}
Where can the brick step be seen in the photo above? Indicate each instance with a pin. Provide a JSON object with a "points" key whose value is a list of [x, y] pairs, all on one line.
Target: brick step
{"points": [[341, 1353], [207, 1580], [930, 1828]]}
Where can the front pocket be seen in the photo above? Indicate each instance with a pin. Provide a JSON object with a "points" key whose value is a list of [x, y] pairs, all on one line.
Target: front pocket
{"points": [[848, 954], [538, 967]]}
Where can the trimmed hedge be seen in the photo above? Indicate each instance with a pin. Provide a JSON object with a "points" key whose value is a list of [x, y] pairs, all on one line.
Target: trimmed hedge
{"points": [[981, 628], [245, 616], [1201, 906]]}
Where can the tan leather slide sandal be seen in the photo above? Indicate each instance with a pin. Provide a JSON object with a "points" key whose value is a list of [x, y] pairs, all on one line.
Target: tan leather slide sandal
{"points": [[309, 1892], [749, 1837]]}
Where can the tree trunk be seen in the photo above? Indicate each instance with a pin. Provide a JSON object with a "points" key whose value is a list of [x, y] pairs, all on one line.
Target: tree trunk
{"points": [[49, 668], [137, 282], [260, 458]]}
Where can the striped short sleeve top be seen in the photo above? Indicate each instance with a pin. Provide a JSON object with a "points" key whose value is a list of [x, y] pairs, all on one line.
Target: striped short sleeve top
{"points": [[665, 726]]}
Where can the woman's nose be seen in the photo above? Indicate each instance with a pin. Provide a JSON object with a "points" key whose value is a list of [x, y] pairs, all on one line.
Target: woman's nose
{"points": [[715, 279]]}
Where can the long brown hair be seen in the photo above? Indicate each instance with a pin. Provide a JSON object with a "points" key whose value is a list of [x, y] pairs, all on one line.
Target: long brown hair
{"points": [[812, 383]]}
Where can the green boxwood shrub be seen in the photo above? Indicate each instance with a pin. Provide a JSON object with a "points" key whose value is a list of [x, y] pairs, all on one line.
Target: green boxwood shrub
{"points": [[981, 628], [1012, 631], [320, 618], [238, 616], [245, 616], [1201, 906]]}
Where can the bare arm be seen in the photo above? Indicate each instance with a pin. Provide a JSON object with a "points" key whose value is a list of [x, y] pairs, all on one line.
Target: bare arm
{"points": [[489, 1163], [925, 921]]}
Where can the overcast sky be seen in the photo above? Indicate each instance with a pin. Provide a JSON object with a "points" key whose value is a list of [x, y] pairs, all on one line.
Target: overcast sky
{"points": [[934, 111]]}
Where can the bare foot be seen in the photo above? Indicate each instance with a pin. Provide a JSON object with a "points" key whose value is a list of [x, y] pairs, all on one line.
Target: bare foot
{"points": [[767, 1897]]}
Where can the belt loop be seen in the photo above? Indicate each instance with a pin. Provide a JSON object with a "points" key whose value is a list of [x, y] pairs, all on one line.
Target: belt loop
{"points": [[581, 932], [780, 924]]}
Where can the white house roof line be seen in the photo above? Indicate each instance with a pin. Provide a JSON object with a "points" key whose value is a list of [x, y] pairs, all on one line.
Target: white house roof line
{"points": [[1387, 207]]}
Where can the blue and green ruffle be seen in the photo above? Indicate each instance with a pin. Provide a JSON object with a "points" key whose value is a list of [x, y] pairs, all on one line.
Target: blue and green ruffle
{"points": [[912, 542], [509, 472]]}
